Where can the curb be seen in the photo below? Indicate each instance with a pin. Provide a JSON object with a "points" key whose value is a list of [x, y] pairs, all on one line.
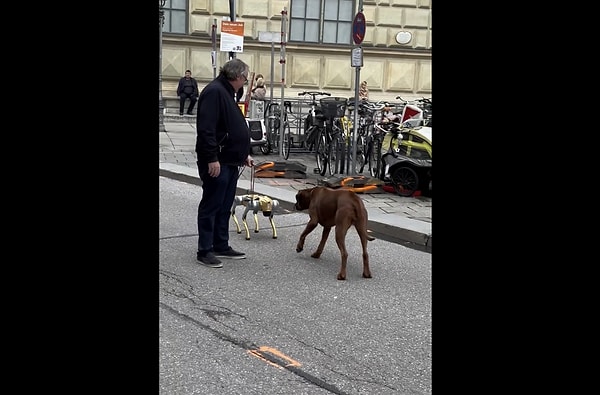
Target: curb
{"points": [[409, 232]]}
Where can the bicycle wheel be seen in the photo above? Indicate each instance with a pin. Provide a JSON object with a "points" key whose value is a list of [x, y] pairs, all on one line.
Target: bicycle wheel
{"points": [[287, 141], [265, 148], [404, 180], [334, 155], [321, 148], [375, 158], [361, 148], [368, 153]]}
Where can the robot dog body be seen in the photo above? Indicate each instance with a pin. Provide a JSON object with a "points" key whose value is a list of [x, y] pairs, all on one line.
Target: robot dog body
{"points": [[254, 203]]}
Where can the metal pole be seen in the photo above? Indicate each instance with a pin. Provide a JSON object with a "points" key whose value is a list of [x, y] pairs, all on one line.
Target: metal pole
{"points": [[232, 18], [352, 163], [213, 54], [282, 62], [161, 106], [272, 68]]}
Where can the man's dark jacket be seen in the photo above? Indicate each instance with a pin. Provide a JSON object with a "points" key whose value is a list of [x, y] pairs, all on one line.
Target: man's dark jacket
{"points": [[181, 85], [220, 122]]}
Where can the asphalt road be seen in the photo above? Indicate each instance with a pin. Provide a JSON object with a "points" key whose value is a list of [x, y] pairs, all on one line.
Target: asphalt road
{"points": [[279, 322]]}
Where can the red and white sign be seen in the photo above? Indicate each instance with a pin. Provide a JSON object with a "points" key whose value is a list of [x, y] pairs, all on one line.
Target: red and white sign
{"points": [[359, 27]]}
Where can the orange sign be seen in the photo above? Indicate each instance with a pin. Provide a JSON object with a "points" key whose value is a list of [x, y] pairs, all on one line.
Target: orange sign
{"points": [[232, 36]]}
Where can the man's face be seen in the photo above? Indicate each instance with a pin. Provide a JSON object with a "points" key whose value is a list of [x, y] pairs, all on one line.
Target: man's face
{"points": [[240, 81], [188, 74]]}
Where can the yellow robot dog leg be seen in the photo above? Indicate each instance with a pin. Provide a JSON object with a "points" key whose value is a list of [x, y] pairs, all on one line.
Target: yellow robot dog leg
{"points": [[274, 205], [248, 203], [236, 202], [255, 208]]}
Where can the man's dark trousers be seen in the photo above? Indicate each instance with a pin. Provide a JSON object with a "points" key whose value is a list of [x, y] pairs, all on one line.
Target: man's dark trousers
{"points": [[182, 98], [214, 210]]}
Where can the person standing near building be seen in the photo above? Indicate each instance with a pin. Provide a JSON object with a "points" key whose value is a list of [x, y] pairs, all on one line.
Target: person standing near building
{"points": [[187, 89], [363, 92], [260, 91], [222, 146]]}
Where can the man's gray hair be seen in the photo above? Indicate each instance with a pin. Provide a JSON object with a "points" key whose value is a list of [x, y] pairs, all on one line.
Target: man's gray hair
{"points": [[233, 69]]}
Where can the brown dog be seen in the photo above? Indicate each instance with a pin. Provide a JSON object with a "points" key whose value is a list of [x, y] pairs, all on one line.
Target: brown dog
{"points": [[341, 208]]}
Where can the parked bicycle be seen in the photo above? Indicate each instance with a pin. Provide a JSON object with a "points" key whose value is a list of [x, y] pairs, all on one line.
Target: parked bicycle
{"points": [[286, 140], [372, 126], [329, 139], [345, 158], [314, 120], [278, 124], [272, 116]]}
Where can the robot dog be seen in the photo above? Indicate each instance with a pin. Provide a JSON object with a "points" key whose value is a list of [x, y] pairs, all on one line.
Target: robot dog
{"points": [[254, 203]]}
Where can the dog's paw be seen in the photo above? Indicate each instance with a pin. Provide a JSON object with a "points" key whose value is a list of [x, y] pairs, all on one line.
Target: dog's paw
{"points": [[367, 275], [340, 277], [299, 249]]}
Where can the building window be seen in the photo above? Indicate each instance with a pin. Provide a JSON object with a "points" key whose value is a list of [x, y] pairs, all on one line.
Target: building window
{"points": [[175, 16], [321, 21]]}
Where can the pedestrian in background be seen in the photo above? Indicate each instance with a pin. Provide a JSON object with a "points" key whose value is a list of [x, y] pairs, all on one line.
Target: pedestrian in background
{"points": [[187, 89], [259, 91], [363, 92], [222, 146]]}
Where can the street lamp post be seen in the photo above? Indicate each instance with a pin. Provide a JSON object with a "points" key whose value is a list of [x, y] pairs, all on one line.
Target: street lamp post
{"points": [[161, 106]]}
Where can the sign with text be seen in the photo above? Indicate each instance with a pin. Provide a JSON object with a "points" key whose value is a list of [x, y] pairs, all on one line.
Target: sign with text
{"points": [[269, 37], [232, 36], [357, 57]]}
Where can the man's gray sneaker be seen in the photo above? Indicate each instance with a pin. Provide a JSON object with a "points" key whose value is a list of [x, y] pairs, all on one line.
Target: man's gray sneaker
{"points": [[230, 254], [209, 260]]}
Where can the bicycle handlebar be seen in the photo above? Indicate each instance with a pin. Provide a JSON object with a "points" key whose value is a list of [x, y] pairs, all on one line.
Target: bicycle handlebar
{"points": [[313, 94], [424, 100], [380, 105]]}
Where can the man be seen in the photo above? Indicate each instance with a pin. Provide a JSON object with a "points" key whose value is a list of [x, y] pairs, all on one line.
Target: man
{"points": [[222, 145], [187, 89]]}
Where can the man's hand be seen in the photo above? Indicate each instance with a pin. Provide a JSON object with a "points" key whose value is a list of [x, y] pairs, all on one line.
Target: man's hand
{"points": [[214, 169], [249, 161]]}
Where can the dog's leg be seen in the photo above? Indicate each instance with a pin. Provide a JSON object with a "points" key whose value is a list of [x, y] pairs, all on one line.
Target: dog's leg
{"points": [[340, 238], [310, 226], [321, 246], [364, 239], [361, 229]]}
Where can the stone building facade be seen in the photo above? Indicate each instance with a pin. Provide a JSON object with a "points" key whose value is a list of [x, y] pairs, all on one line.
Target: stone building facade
{"points": [[390, 68]]}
